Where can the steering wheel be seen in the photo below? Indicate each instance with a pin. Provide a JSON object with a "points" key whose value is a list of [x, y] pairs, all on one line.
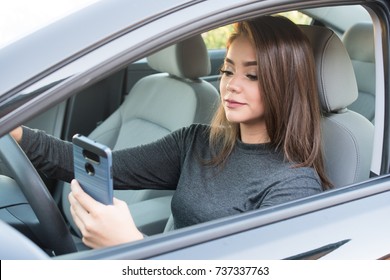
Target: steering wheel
{"points": [[54, 229]]}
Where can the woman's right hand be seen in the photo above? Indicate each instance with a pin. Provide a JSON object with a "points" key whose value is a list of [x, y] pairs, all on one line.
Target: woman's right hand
{"points": [[17, 134], [101, 225]]}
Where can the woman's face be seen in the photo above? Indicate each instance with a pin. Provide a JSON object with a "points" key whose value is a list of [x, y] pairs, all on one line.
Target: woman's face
{"points": [[239, 85]]}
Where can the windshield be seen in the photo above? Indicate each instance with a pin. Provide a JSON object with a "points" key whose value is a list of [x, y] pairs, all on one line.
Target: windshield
{"points": [[20, 17]]}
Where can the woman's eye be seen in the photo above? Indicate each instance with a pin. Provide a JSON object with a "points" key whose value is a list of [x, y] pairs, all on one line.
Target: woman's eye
{"points": [[252, 77], [226, 72]]}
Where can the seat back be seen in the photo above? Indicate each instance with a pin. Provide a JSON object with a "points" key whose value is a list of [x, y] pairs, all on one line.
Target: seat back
{"points": [[347, 135], [161, 103], [157, 105], [359, 42]]}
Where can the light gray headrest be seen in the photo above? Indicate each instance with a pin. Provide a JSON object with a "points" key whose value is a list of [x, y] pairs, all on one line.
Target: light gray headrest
{"points": [[359, 41], [187, 59], [336, 80]]}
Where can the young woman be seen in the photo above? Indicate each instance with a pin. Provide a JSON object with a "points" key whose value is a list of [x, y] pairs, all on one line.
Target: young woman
{"points": [[263, 147]]}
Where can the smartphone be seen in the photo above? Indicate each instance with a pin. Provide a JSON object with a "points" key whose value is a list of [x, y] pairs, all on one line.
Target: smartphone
{"points": [[93, 168]]}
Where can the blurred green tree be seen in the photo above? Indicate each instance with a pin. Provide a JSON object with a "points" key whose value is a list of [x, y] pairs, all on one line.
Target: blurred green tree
{"points": [[216, 38]]}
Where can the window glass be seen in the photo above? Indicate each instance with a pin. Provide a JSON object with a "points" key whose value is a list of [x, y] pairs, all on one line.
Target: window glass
{"points": [[297, 17], [216, 39]]}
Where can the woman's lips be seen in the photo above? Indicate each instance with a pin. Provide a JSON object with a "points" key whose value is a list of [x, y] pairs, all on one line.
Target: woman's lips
{"points": [[233, 103]]}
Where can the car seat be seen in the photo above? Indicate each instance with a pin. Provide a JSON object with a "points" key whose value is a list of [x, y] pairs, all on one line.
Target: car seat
{"points": [[347, 135], [359, 42], [157, 105]]}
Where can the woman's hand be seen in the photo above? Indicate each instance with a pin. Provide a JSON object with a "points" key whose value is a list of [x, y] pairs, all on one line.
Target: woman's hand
{"points": [[101, 225], [17, 134]]}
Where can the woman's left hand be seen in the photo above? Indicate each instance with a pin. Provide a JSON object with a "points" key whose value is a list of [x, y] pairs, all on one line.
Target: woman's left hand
{"points": [[101, 225]]}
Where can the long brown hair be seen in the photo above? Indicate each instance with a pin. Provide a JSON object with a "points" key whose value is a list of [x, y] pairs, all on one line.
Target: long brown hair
{"points": [[287, 81]]}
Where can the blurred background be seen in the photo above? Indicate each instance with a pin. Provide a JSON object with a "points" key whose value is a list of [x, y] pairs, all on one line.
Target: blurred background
{"points": [[216, 39]]}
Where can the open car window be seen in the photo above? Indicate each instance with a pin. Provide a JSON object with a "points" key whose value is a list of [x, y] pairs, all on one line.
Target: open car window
{"points": [[89, 88]]}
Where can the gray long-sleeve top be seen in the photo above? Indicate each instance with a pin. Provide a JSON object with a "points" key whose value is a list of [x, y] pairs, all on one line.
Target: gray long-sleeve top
{"points": [[254, 176]]}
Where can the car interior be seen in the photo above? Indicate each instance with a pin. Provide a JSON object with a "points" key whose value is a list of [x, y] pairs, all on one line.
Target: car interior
{"points": [[347, 156], [178, 91], [359, 42], [178, 86]]}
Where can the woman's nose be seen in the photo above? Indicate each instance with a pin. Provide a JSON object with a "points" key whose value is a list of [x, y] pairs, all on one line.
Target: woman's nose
{"points": [[232, 85]]}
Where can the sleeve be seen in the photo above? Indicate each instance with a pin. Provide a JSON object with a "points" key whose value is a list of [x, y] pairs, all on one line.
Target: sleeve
{"points": [[152, 166], [291, 189], [50, 155]]}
